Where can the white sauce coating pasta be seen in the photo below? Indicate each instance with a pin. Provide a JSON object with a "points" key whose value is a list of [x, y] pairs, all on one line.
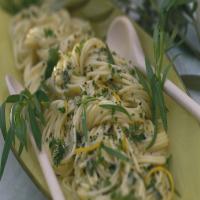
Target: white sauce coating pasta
{"points": [[99, 120]]}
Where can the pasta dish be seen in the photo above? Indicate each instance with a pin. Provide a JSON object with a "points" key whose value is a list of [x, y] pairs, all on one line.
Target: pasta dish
{"points": [[99, 122]]}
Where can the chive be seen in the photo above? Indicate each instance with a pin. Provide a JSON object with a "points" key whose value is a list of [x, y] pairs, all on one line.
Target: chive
{"points": [[115, 108], [114, 152]]}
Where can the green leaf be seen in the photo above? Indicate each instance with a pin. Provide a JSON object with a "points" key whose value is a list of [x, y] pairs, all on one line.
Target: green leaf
{"points": [[38, 110], [20, 150], [161, 104], [110, 56], [164, 75], [36, 132], [8, 143], [13, 98], [156, 43], [138, 138], [84, 123], [3, 120], [143, 81], [154, 112], [62, 109], [52, 61], [84, 103], [114, 152], [115, 108], [150, 73], [6, 150], [42, 96], [88, 99], [21, 131]]}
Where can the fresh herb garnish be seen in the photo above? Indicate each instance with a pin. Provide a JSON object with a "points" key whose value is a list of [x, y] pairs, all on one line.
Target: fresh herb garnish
{"points": [[48, 32], [114, 152], [51, 62], [115, 108], [84, 123], [62, 109], [58, 150], [84, 103], [134, 133], [154, 83], [180, 16], [110, 56], [25, 112]]}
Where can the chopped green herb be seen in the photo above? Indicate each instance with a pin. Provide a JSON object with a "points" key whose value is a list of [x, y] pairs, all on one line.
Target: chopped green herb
{"points": [[51, 62], [58, 150], [110, 57], [62, 109], [48, 32]]}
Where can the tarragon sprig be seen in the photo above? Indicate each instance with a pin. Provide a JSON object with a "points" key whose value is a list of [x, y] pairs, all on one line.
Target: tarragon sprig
{"points": [[25, 114], [156, 76]]}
